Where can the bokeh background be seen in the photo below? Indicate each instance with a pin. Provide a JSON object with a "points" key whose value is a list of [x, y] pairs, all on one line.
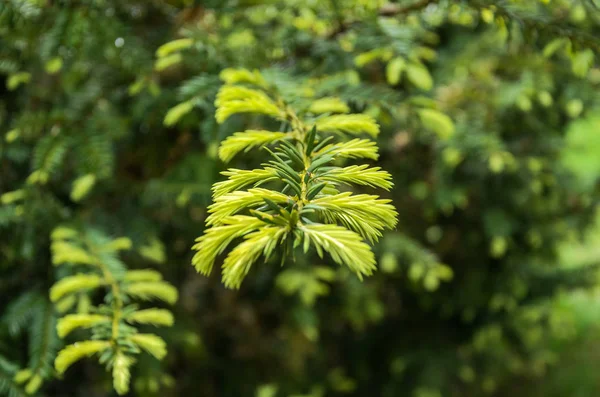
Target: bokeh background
{"points": [[489, 285]]}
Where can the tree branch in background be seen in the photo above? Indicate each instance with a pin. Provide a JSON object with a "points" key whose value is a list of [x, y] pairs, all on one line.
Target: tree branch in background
{"points": [[387, 10]]}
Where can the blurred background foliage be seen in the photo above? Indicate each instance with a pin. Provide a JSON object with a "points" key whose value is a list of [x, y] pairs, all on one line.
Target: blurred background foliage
{"points": [[490, 116]]}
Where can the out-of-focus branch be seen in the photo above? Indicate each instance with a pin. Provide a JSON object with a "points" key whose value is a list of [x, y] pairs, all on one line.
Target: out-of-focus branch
{"points": [[392, 9], [553, 27], [387, 10]]}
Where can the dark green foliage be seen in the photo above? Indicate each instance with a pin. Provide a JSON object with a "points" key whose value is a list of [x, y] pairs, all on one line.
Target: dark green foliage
{"points": [[117, 118]]}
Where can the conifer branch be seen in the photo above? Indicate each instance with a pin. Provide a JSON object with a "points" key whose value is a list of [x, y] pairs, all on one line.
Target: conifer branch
{"points": [[43, 344], [298, 201], [387, 10], [393, 9], [539, 23], [112, 326]]}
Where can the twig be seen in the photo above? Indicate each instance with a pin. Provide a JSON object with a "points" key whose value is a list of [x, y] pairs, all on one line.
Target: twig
{"points": [[387, 10], [392, 9]]}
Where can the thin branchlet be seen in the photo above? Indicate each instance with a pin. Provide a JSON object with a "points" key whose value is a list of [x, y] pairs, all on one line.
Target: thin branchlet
{"points": [[113, 333]]}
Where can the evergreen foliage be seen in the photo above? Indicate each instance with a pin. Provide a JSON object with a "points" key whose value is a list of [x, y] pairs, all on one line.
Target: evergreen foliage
{"points": [[112, 325], [303, 163], [271, 128]]}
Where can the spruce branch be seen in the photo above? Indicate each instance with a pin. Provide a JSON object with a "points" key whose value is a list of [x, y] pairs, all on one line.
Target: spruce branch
{"points": [[298, 201], [113, 332], [11, 377], [503, 9], [538, 22], [43, 341], [387, 10]]}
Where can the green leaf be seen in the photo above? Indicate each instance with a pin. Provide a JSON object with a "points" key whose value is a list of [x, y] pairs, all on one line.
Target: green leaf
{"points": [[321, 144], [236, 76], [153, 250], [238, 179], [68, 252], [148, 290], [314, 190], [63, 233], [143, 275], [268, 390], [579, 153], [82, 186], [234, 202], [121, 372], [356, 148], [582, 62], [151, 316], [319, 162], [359, 175], [367, 57], [118, 244], [173, 46], [233, 99], [73, 321], [75, 352], [12, 135], [291, 152], [70, 284], [419, 76], [11, 197], [310, 141], [34, 384], [177, 112], [166, 62], [309, 284], [394, 69], [328, 105], [437, 122], [344, 246], [353, 124], [244, 141], [16, 79], [284, 170], [239, 261], [151, 343], [365, 214], [554, 46], [23, 376], [54, 65]]}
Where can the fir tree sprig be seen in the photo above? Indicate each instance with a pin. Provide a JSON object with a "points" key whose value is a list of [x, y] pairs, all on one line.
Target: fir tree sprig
{"points": [[298, 202], [114, 335], [32, 312]]}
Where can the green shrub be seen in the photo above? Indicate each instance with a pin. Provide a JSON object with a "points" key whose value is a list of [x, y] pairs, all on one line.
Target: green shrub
{"points": [[118, 119]]}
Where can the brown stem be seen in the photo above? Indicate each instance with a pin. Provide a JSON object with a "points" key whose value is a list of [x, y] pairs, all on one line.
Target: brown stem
{"points": [[387, 10], [392, 9]]}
